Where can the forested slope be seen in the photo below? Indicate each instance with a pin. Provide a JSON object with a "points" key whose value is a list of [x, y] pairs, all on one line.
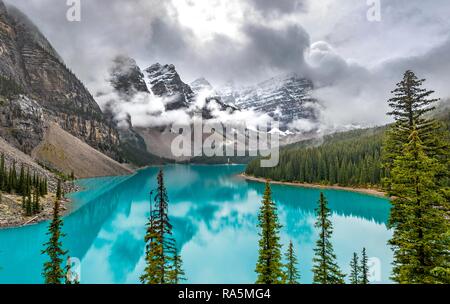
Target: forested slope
{"points": [[348, 159]]}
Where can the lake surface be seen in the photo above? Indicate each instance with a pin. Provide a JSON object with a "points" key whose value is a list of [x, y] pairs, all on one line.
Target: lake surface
{"points": [[214, 214]]}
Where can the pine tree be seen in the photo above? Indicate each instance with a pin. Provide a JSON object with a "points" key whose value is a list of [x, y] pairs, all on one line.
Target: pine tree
{"points": [[325, 269], [269, 265], [354, 268], [58, 191], [160, 243], [13, 178], [28, 205], [28, 183], [410, 105], [54, 271], [419, 216], [177, 274], [291, 273], [21, 188], [364, 268], [36, 205], [24, 202]]}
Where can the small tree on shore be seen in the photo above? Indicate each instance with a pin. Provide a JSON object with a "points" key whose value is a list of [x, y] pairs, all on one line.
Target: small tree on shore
{"points": [[269, 265], [54, 271], [36, 205], [325, 269], [291, 273], [364, 268], [354, 269]]}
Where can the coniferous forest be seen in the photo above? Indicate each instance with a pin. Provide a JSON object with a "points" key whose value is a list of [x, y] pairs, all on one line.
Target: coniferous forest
{"points": [[347, 159], [29, 185], [352, 158]]}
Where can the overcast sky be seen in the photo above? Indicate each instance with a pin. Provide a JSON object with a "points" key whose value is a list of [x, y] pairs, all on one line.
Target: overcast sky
{"points": [[354, 62]]}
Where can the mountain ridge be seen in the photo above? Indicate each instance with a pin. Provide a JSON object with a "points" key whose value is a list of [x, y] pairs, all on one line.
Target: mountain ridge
{"points": [[39, 90], [29, 60]]}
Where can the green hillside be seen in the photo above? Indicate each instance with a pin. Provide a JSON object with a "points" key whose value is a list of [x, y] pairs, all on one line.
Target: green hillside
{"points": [[347, 159]]}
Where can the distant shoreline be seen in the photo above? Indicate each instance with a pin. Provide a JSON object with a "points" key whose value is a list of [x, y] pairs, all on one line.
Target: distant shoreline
{"points": [[373, 192]]}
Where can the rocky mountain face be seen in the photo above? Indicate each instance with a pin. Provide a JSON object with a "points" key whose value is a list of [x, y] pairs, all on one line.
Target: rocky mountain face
{"points": [[28, 59], [165, 81], [22, 123], [286, 98], [126, 77], [128, 80], [202, 86]]}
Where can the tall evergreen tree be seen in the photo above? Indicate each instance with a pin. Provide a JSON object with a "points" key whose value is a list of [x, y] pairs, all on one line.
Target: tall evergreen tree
{"points": [[27, 183], [59, 190], [36, 205], [364, 267], [354, 269], [28, 205], [291, 272], [419, 216], [13, 178], [160, 243], [269, 265], [325, 269], [54, 271], [410, 105], [24, 203], [21, 187]]}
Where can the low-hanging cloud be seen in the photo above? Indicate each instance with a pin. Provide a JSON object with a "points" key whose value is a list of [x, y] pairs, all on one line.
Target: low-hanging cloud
{"points": [[353, 63], [270, 7]]}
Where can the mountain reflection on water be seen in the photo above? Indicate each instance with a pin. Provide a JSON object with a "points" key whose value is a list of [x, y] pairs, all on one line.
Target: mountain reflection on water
{"points": [[214, 214]]}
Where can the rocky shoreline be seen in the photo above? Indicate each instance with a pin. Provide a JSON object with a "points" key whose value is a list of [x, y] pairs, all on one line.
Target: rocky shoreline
{"points": [[368, 191], [12, 214]]}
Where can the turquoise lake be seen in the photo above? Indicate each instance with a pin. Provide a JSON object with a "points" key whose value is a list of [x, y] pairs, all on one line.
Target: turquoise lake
{"points": [[214, 214]]}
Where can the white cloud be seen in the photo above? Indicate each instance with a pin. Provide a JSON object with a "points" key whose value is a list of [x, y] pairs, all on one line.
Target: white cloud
{"points": [[353, 62]]}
